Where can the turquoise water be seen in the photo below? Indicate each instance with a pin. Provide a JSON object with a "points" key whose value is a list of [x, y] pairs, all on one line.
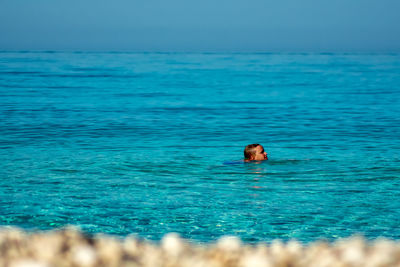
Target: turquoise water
{"points": [[143, 143]]}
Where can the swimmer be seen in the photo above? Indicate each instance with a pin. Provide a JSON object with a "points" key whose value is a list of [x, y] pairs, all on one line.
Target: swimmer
{"points": [[254, 152]]}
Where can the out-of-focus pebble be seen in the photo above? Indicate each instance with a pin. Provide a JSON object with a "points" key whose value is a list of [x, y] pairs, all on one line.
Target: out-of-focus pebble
{"points": [[256, 260], [229, 243], [172, 244], [84, 256]]}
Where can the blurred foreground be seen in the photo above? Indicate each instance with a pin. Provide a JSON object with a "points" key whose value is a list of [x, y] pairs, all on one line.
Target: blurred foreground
{"points": [[70, 247]]}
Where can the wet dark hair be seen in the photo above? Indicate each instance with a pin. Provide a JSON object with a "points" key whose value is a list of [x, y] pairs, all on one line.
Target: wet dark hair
{"points": [[249, 150]]}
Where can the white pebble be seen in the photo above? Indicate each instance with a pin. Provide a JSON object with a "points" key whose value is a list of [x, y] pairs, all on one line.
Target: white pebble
{"points": [[256, 260], [172, 244], [84, 256], [229, 243]]}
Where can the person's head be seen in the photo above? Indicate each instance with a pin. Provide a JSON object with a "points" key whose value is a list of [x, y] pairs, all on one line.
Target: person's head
{"points": [[255, 152]]}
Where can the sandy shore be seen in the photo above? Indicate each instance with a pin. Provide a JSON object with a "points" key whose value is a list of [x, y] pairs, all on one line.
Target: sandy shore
{"points": [[69, 247]]}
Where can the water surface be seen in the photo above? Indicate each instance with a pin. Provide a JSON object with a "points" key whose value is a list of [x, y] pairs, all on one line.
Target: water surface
{"points": [[138, 143]]}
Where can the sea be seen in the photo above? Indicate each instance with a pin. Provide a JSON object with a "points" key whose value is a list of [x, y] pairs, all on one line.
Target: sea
{"points": [[146, 144]]}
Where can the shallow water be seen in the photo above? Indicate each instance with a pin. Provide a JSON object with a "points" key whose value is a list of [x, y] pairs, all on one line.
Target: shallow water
{"points": [[143, 143]]}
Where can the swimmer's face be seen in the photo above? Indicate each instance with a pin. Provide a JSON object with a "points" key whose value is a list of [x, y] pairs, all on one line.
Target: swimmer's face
{"points": [[260, 154]]}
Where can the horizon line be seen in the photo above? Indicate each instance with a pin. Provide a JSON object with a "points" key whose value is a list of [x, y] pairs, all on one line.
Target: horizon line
{"points": [[123, 51]]}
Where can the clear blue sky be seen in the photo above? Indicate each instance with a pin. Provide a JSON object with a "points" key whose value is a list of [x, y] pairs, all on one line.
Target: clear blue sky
{"points": [[202, 25]]}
